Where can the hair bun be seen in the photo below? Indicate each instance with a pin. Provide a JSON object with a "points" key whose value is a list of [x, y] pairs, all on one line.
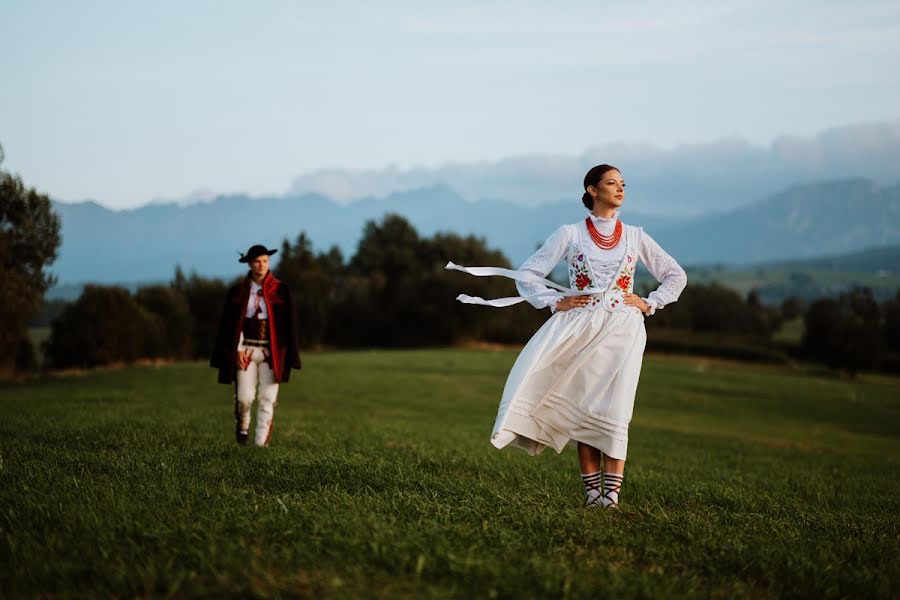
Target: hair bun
{"points": [[587, 201]]}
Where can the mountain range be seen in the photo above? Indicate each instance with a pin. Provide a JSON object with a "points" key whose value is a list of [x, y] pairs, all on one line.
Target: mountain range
{"points": [[687, 179], [145, 244], [804, 221]]}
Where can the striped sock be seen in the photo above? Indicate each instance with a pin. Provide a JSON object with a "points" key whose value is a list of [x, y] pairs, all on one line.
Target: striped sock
{"points": [[593, 487], [612, 484]]}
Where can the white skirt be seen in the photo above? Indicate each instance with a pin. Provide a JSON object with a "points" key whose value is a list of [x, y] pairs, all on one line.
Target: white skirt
{"points": [[574, 381]]}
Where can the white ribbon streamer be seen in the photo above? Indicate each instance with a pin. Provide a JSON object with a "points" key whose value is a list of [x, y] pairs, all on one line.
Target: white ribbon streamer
{"points": [[526, 276]]}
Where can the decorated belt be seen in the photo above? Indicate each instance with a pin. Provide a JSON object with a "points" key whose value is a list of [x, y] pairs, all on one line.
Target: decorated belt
{"points": [[256, 332]]}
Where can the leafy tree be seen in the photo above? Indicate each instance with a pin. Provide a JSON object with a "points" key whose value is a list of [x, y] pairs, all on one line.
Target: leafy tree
{"points": [[29, 241], [763, 320], [48, 310], [845, 333], [395, 291], [204, 299], [891, 310], [104, 326], [312, 279], [792, 307], [389, 259], [714, 308], [452, 321], [174, 323]]}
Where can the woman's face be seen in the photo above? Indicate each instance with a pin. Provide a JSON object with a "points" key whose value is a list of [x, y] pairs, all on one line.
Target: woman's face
{"points": [[609, 191]]}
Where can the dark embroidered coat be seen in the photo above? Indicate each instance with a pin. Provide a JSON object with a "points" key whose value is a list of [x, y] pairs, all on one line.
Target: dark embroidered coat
{"points": [[284, 354]]}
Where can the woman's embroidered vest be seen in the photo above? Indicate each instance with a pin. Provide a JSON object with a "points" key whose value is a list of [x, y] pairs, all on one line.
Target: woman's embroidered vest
{"points": [[581, 276]]}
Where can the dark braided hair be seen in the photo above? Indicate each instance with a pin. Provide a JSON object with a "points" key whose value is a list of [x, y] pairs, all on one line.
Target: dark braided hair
{"points": [[593, 177]]}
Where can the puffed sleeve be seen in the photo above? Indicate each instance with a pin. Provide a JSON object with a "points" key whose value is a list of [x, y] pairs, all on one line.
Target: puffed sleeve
{"points": [[671, 277], [541, 263]]}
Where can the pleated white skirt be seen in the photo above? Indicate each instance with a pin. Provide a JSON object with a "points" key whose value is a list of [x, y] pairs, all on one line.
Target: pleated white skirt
{"points": [[574, 381]]}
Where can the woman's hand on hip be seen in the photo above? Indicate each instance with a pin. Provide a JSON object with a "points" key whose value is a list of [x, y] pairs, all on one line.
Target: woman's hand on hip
{"points": [[635, 300], [570, 302]]}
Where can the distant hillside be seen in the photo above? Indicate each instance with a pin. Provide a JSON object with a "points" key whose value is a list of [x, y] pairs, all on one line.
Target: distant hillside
{"points": [[879, 261], [877, 269], [808, 221]]}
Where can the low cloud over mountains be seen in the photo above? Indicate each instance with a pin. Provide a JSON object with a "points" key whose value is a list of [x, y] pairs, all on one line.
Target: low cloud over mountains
{"points": [[686, 180]]}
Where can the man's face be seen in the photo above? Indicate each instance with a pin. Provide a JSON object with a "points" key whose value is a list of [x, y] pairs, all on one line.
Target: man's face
{"points": [[260, 265]]}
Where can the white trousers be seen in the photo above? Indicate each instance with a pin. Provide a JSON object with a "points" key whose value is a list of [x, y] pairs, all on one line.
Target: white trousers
{"points": [[257, 373]]}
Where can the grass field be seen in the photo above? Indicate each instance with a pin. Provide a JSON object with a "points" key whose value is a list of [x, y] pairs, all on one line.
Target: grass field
{"points": [[742, 482], [791, 332]]}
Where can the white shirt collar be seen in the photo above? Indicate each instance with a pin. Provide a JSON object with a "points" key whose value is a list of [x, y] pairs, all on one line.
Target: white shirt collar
{"points": [[598, 220], [254, 286]]}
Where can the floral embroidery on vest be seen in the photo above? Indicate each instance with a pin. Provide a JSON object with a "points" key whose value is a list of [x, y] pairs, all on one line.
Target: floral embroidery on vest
{"points": [[622, 282], [579, 275]]}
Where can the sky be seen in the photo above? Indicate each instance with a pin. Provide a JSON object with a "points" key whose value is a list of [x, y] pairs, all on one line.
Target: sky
{"points": [[126, 102]]}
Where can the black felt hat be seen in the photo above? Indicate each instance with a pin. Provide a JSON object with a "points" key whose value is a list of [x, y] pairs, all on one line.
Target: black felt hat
{"points": [[255, 252]]}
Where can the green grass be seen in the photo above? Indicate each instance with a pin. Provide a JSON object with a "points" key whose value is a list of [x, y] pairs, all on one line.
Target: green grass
{"points": [[791, 332], [742, 482]]}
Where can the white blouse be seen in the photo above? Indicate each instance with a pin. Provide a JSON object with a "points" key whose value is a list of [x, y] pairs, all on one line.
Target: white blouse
{"points": [[604, 263]]}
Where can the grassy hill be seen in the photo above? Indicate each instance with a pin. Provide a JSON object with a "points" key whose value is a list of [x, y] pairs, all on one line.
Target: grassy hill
{"points": [[742, 482]]}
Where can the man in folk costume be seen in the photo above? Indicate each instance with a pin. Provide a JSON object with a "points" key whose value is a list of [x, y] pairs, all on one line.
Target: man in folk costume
{"points": [[256, 345]]}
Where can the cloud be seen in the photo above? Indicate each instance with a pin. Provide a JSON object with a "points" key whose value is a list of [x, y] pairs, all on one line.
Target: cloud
{"points": [[692, 178]]}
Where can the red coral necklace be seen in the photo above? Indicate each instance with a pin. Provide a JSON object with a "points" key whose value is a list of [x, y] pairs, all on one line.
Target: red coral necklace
{"points": [[606, 242]]}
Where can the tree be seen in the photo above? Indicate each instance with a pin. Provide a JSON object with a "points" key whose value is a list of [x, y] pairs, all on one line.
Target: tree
{"points": [[29, 241], [715, 309], [174, 323], [204, 298], [792, 307], [312, 279], [845, 333], [385, 272], [891, 310], [395, 291], [104, 326], [763, 320], [452, 321]]}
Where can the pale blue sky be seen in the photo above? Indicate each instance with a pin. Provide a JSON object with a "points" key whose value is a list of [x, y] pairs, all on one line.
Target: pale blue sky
{"points": [[124, 102]]}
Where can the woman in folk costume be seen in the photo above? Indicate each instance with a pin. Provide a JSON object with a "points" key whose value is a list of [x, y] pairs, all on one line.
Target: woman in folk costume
{"points": [[575, 380]]}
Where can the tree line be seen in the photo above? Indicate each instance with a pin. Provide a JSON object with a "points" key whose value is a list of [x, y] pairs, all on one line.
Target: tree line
{"points": [[851, 333], [393, 292]]}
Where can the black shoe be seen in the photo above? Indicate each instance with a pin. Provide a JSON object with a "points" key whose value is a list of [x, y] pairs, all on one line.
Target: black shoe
{"points": [[241, 437]]}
